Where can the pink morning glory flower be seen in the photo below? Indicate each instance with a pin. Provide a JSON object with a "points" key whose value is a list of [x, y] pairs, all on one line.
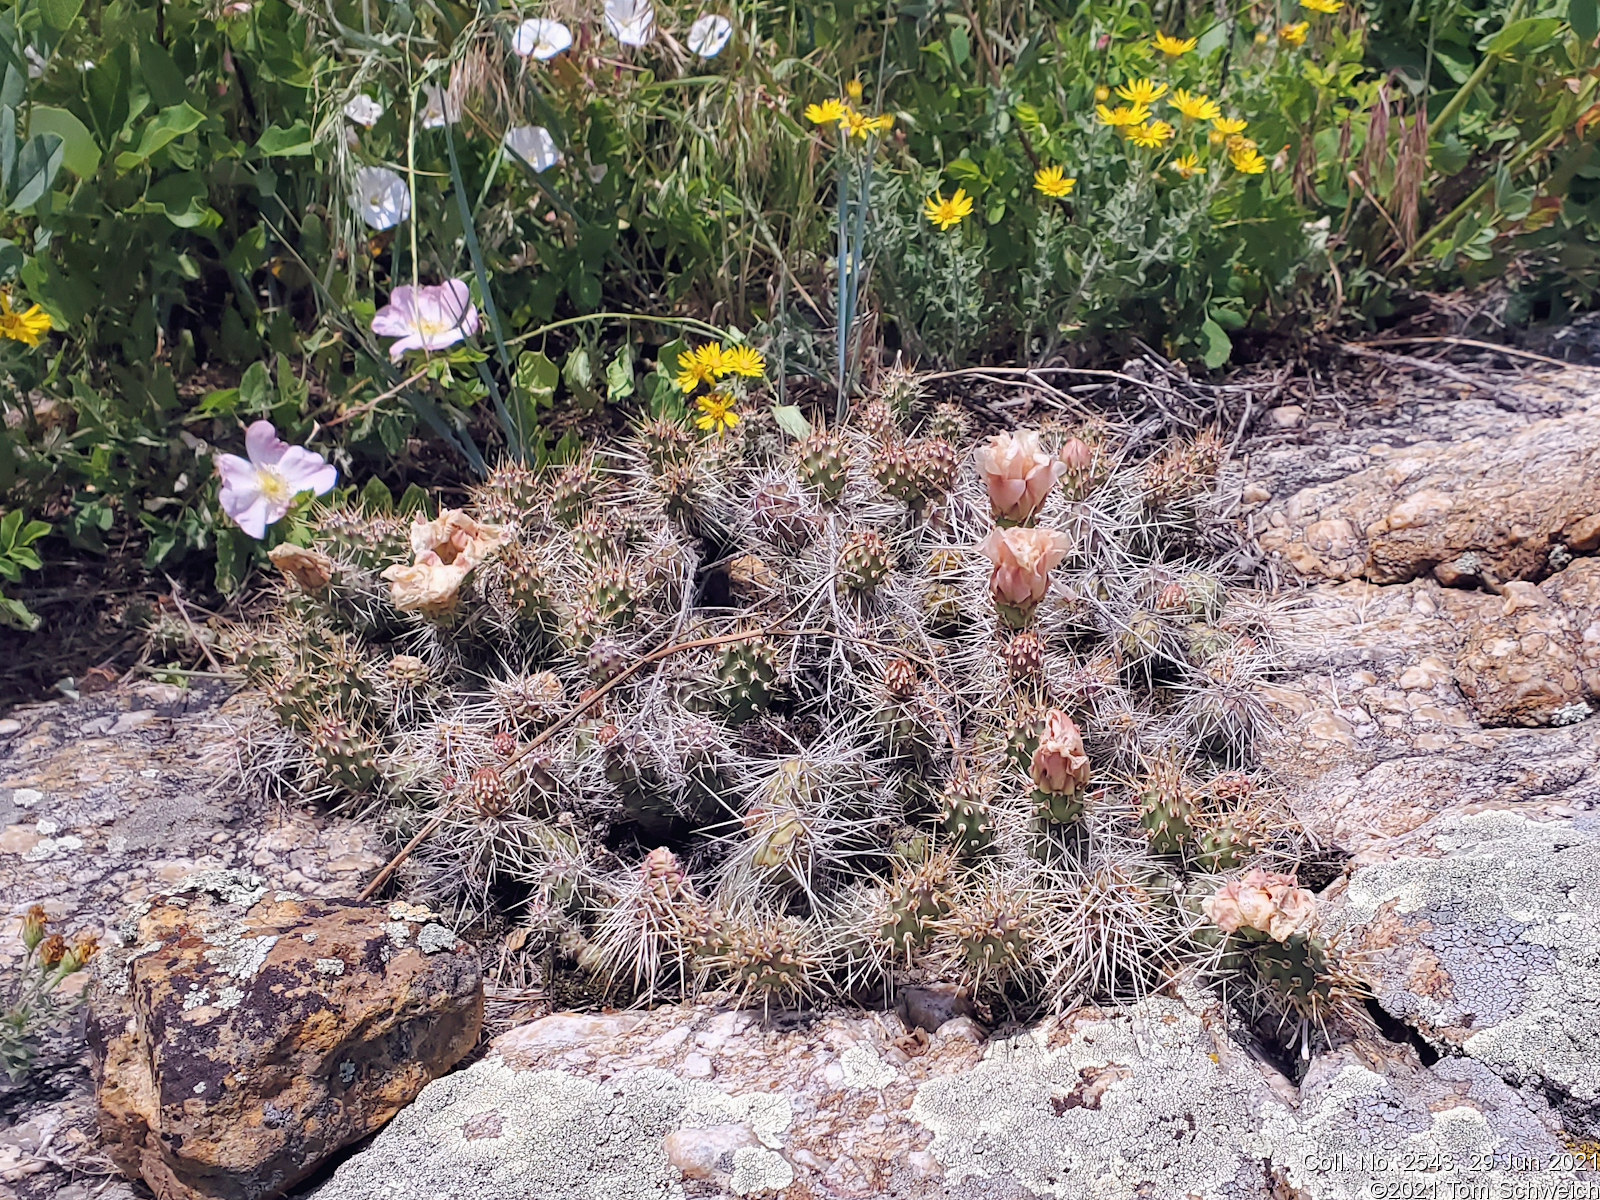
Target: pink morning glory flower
{"points": [[426, 318], [258, 491]]}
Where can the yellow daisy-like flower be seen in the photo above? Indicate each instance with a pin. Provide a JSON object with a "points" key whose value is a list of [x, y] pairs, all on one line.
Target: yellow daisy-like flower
{"points": [[1195, 108], [856, 124], [1142, 93], [1322, 6], [947, 213], [829, 112], [1223, 128], [1239, 142], [1151, 135], [1247, 160], [717, 414], [700, 366], [854, 90], [1053, 182], [1174, 47], [1124, 117], [25, 327], [1102, 93], [1295, 35], [1188, 166], [742, 360], [881, 123]]}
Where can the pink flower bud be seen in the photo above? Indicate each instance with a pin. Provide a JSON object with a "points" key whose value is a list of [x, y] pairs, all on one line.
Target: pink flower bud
{"points": [[1060, 766], [1264, 902], [1023, 559], [1019, 475]]}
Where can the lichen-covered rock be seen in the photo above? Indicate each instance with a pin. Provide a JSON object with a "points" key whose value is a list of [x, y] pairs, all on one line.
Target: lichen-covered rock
{"points": [[1532, 655], [241, 1035], [1480, 931], [1154, 1100], [1484, 497]]}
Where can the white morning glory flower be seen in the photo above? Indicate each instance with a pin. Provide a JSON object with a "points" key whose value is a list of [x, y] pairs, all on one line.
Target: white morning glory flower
{"points": [[534, 145], [632, 22], [709, 34], [364, 111], [381, 197], [541, 39], [439, 108]]}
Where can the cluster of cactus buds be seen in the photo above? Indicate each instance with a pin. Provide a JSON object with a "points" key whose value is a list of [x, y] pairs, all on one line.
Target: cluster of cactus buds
{"points": [[714, 707]]}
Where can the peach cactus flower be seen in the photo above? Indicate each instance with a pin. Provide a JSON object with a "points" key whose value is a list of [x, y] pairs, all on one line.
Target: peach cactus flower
{"points": [[1060, 765], [311, 570], [1023, 559], [1264, 902], [444, 551], [1019, 475]]}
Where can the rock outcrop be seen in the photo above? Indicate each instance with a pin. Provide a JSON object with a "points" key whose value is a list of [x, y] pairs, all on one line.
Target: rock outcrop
{"points": [[1155, 1100], [243, 1034]]}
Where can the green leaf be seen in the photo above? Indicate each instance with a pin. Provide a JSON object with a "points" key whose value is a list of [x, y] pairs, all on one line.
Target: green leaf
{"points": [[414, 500], [292, 142], [32, 532], [960, 46], [256, 393], [376, 497], [60, 14], [1218, 347], [80, 155], [37, 164], [619, 375], [1584, 17], [537, 376], [166, 126], [9, 524], [792, 421], [1212, 40], [17, 615], [1531, 32], [8, 145]]}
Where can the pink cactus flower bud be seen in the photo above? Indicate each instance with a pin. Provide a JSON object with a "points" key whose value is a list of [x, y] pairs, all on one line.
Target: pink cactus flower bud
{"points": [[1023, 559], [1264, 902], [1060, 766], [1019, 475]]}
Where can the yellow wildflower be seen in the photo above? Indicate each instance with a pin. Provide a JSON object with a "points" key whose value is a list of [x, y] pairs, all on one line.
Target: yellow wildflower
{"points": [[742, 360], [1247, 160], [829, 112], [1295, 35], [1142, 93], [1228, 126], [1239, 142], [1174, 47], [881, 123], [856, 124], [1188, 166], [947, 213], [1102, 93], [1195, 108], [1151, 135], [717, 414], [854, 90], [1322, 6], [1122, 117], [25, 327], [699, 366], [1053, 182]]}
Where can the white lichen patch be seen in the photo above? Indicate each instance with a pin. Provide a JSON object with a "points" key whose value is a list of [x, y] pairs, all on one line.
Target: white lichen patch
{"points": [[1130, 1106], [229, 998], [397, 932], [242, 957], [196, 997], [231, 887], [864, 1069], [436, 938], [329, 966], [309, 937], [757, 1170], [1510, 912], [46, 848], [401, 911]]}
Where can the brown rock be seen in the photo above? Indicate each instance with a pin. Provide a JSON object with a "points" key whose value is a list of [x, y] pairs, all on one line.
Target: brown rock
{"points": [[1534, 657], [246, 1035], [1482, 498]]}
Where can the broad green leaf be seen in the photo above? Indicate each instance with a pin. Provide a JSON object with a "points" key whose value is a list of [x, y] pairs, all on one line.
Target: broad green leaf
{"points": [[1217, 346], [376, 498], [181, 198], [32, 532], [537, 376], [792, 421], [414, 500], [292, 142], [8, 146], [1212, 40], [17, 615], [256, 393], [9, 524], [60, 14], [1530, 32], [37, 164], [80, 155], [166, 126], [1584, 17], [619, 375]]}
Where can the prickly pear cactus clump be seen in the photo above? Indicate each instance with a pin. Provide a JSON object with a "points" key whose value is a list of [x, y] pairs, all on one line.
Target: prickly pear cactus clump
{"points": [[892, 703]]}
